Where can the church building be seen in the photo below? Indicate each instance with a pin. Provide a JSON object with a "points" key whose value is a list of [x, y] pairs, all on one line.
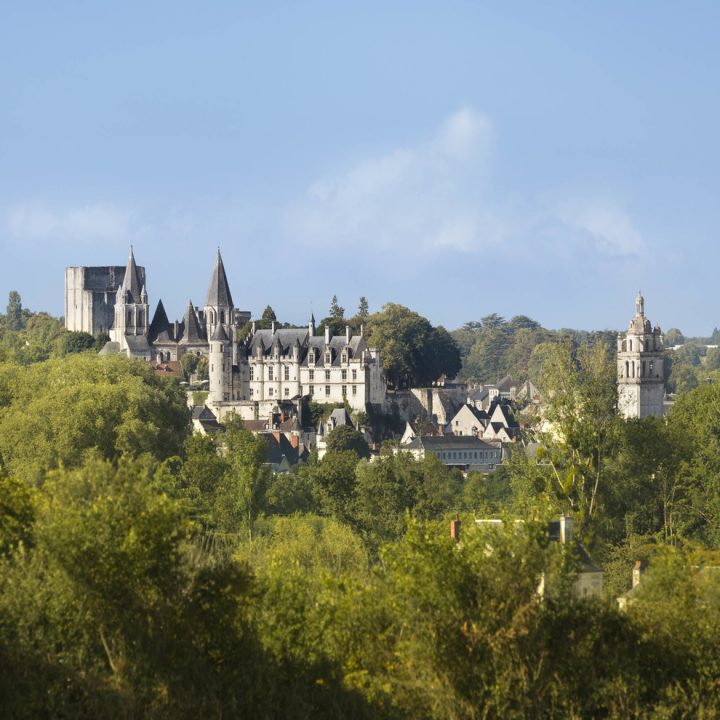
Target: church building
{"points": [[641, 384], [253, 373]]}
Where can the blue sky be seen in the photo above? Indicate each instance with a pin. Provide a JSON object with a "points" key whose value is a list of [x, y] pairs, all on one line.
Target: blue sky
{"points": [[461, 158]]}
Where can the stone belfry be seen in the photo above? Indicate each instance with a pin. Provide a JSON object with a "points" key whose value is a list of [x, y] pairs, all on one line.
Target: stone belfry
{"points": [[131, 305], [641, 386]]}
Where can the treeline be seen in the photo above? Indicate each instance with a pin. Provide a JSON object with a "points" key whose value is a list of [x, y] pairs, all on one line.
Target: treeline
{"points": [[494, 347], [147, 572]]}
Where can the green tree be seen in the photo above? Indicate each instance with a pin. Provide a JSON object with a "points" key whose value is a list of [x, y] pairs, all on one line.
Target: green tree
{"points": [[412, 351], [363, 308], [344, 438], [189, 362], [241, 493], [75, 342], [13, 313], [580, 388], [266, 319], [52, 412]]}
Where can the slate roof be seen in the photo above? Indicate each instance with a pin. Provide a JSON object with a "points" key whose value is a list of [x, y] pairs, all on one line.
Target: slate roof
{"points": [[451, 442], [219, 334], [160, 329], [286, 338], [192, 332], [131, 283], [137, 344], [218, 294], [110, 348]]}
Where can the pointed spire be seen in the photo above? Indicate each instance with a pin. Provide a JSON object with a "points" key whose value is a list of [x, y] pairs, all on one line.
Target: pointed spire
{"points": [[192, 331], [143, 295], [130, 282], [160, 323], [218, 295]]}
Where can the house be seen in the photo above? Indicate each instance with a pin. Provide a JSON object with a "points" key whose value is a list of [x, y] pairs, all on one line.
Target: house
{"points": [[284, 450], [589, 578], [468, 420], [502, 425], [467, 453], [204, 421], [337, 417]]}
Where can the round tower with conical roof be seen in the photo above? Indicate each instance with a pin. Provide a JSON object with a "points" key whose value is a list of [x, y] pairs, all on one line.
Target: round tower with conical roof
{"points": [[220, 367], [640, 369], [218, 303]]}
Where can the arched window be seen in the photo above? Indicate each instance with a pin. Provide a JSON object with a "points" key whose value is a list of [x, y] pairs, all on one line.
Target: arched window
{"points": [[627, 369], [630, 343], [222, 317]]}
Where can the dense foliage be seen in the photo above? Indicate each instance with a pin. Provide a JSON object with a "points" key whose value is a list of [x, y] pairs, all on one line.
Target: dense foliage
{"points": [[146, 572]]}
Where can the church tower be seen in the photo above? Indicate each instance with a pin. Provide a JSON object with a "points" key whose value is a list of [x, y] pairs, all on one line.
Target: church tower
{"points": [[131, 306], [641, 385], [218, 304]]}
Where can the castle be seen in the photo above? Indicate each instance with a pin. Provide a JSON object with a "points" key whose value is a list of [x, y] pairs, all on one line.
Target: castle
{"points": [[640, 370], [253, 373]]}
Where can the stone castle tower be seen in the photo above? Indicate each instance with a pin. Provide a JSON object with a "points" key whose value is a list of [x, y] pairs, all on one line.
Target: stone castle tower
{"points": [[641, 385]]}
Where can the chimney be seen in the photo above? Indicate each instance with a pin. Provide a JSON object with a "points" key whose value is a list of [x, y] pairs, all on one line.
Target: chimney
{"points": [[176, 330], [327, 334], [637, 573], [348, 334], [254, 328], [272, 327], [455, 529], [362, 329], [566, 529]]}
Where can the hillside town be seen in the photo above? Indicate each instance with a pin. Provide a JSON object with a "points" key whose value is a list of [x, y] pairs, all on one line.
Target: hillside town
{"points": [[265, 377]]}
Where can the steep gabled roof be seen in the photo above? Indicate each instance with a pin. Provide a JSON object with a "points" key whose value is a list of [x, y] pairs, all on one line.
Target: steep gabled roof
{"points": [[192, 332], [218, 294], [160, 328]]}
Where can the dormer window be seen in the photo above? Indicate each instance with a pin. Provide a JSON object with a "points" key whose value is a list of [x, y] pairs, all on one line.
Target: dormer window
{"points": [[328, 358], [345, 356]]}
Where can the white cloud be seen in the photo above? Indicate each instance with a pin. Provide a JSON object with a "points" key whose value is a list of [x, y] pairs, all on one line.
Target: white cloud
{"points": [[430, 196], [438, 196], [90, 223], [606, 226]]}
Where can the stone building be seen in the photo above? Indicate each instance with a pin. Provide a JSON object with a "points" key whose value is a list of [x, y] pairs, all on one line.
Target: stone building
{"points": [[641, 385], [253, 373], [90, 295]]}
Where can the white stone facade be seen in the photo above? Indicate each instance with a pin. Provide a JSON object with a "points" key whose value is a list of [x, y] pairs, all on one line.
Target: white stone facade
{"points": [[275, 366], [640, 367]]}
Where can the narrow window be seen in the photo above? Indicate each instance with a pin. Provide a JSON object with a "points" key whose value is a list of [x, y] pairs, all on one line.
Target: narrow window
{"points": [[327, 391], [287, 373], [344, 374], [344, 390], [327, 374], [312, 375], [354, 389], [354, 374], [271, 373]]}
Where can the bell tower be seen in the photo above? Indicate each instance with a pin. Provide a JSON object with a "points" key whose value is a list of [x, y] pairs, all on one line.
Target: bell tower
{"points": [[641, 385]]}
